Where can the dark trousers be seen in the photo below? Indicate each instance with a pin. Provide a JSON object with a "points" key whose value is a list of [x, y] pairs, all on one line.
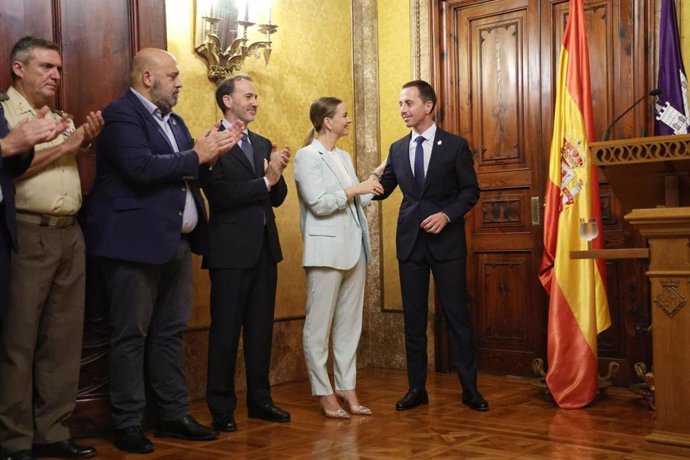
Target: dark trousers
{"points": [[5, 252], [241, 300], [449, 276], [149, 308]]}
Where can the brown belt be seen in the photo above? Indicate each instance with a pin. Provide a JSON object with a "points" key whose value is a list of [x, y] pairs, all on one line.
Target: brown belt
{"points": [[45, 220]]}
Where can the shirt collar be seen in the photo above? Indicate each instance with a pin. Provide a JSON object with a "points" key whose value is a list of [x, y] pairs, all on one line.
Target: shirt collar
{"points": [[429, 134], [151, 107], [226, 125]]}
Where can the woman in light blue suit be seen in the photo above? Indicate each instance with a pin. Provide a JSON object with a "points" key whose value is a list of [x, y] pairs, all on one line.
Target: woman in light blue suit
{"points": [[336, 250]]}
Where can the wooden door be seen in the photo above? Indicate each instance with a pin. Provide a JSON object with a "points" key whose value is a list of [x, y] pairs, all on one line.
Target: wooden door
{"points": [[98, 39], [496, 71]]}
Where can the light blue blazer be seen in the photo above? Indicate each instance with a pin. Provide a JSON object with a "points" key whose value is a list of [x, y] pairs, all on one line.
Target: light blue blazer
{"points": [[334, 231]]}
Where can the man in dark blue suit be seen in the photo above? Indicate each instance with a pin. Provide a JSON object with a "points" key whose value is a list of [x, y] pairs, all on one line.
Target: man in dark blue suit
{"points": [[16, 154], [434, 171], [145, 217], [242, 188]]}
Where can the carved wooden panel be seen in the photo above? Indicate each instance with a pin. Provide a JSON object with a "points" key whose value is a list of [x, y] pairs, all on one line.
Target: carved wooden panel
{"points": [[496, 64], [502, 211]]}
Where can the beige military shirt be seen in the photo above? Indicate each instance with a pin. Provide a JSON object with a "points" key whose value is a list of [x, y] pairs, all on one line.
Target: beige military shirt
{"points": [[57, 189]]}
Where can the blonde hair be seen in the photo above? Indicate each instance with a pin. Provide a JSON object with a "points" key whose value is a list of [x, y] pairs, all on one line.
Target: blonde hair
{"points": [[323, 107]]}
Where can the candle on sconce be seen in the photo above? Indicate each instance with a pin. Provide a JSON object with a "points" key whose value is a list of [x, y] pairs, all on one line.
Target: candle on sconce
{"points": [[246, 11], [269, 14]]}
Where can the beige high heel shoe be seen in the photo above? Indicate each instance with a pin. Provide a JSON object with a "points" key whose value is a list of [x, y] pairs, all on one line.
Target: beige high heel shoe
{"points": [[339, 413], [354, 410]]}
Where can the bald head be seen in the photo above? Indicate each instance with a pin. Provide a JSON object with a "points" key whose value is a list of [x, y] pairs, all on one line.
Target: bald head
{"points": [[156, 76]]}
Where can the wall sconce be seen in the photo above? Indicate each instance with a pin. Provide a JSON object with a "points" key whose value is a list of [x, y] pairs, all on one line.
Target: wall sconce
{"points": [[218, 40]]}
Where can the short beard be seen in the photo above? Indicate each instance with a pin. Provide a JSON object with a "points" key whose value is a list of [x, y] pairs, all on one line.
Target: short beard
{"points": [[163, 102]]}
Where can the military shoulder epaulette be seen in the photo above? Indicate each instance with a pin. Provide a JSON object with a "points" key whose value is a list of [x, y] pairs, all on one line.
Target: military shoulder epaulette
{"points": [[3, 96], [62, 113]]}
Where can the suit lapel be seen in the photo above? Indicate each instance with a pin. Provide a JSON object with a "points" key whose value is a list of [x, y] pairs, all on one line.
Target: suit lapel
{"points": [[356, 200], [259, 154], [404, 154], [139, 107], [236, 153], [338, 175], [437, 150], [178, 132]]}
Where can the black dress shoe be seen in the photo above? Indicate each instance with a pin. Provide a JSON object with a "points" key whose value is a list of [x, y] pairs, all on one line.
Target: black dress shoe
{"points": [[63, 449], [133, 439], [269, 412], [473, 399], [224, 423], [413, 398], [186, 428], [21, 455]]}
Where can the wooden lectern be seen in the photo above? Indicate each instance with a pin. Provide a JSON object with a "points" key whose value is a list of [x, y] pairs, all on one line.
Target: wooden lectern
{"points": [[651, 177]]}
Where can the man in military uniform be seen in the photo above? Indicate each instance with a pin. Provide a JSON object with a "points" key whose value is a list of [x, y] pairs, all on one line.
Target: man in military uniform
{"points": [[41, 326], [16, 153]]}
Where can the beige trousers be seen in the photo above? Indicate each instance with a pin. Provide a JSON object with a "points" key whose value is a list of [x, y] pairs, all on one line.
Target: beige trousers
{"points": [[334, 310], [40, 336]]}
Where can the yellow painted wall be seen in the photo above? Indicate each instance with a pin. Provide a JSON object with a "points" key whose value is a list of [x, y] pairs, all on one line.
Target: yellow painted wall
{"points": [[311, 58], [395, 64]]}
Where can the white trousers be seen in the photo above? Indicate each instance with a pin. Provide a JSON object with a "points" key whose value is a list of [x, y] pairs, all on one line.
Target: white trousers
{"points": [[334, 309]]}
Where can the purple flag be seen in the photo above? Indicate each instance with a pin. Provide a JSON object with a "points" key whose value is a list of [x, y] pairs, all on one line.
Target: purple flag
{"points": [[672, 104]]}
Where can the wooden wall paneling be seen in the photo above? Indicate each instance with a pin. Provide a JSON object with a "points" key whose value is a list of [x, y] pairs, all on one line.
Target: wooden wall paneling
{"points": [[149, 29], [20, 18], [491, 97], [96, 54]]}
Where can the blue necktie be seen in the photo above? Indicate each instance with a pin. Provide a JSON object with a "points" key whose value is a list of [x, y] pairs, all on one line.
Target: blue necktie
{"points": [[419, 163], [247, 149]]}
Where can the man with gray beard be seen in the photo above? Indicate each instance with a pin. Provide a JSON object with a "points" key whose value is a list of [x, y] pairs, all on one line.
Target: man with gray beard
{"points": [[145, 218]]}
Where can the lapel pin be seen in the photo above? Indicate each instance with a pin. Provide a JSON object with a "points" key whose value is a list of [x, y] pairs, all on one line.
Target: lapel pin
{"points": [[439, 143], [174, 122]]}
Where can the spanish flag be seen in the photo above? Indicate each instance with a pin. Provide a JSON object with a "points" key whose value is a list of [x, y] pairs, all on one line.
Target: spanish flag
{"points": [[578, 309]]}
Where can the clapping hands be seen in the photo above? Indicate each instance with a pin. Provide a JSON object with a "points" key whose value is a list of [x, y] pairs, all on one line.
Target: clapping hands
{"points": [[214, 142], [277, 164], [29, 132]]}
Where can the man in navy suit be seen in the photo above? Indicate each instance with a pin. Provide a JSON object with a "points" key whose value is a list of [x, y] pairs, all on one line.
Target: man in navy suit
{"points": [[242, 188], [145, 217], [434, 171], [16, 154]]}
